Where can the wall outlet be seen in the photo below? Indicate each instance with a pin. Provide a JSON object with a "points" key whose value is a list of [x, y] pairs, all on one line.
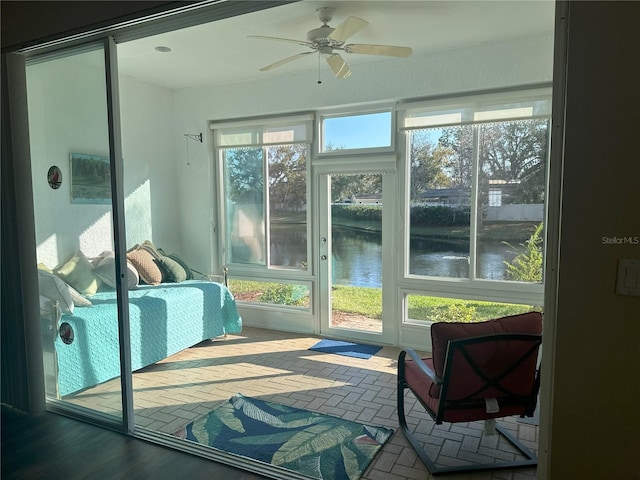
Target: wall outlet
{"points": [[628, 277]]}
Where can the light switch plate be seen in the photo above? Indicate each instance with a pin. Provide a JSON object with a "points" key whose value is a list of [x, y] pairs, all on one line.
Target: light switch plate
{"points": [[628, 277]]}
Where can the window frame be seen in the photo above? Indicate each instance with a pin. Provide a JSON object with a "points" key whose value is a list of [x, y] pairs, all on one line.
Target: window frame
{"points": [[264, 124], [472, 287]]}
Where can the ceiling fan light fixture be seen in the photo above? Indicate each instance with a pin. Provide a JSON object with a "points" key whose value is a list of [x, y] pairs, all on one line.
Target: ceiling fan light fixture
{"points": [[325, 14], [320, 35]]}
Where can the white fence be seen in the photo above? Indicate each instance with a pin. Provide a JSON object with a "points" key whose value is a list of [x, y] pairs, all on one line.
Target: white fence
{"points": [[516, 213]]}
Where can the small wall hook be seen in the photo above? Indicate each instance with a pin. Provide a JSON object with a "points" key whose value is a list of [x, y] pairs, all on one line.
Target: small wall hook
{"points": [[194, 136]]}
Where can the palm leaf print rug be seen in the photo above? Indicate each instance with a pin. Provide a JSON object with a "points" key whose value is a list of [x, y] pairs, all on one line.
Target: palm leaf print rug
{"points": [[313, 444]]}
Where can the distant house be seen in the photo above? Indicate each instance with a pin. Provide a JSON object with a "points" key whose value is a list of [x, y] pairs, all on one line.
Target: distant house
{"points": [[364, 199], [448, 197]]}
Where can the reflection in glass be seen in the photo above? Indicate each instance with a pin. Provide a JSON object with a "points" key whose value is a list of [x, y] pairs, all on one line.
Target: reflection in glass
{"points": [[244, 193], [273, 216], [67, 103]]}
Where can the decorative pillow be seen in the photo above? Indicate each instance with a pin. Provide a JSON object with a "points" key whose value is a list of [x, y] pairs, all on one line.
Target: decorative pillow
{"points": [[172, 271], [144, 263], [106, 271], [77, 272], [78, 299], [183, 264], [151, 248], [42, 266], [133, 278], [54, 289]]}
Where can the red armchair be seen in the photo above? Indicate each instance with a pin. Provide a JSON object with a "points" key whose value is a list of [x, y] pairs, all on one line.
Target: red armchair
{"points": [[478, 371]]}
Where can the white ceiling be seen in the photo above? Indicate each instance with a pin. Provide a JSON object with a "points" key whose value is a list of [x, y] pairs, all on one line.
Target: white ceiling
{"points": [[220, 52]]}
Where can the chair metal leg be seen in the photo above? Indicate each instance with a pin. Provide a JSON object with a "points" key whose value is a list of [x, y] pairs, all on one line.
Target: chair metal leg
{"points": [[530, 458]]}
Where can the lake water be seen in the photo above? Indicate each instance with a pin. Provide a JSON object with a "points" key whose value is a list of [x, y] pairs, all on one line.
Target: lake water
{"points": [[357, 257]]}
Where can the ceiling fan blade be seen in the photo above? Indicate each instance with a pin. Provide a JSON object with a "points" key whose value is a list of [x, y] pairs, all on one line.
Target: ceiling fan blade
{"points": [[278, 39], [284, 60], [338, 65], [347, 28], [388, 50]]}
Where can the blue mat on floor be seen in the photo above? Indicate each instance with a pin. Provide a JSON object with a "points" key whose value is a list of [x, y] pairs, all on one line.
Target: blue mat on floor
{"points": [[348, 349]]}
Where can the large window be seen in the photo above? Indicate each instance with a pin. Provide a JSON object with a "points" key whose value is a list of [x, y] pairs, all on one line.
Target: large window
{"points": [[476, 189], [264, 170]]}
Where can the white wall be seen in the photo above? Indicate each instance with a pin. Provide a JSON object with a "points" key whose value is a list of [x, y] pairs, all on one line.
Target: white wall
{"points": [[493, 66], [151, 169], [516, 212], [67, 112]]}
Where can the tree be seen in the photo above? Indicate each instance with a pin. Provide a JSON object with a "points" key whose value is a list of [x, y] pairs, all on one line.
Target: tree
{"points": [[347, 186], [244, 175], [527, 266], [457, 142], [515, 152], [427, 162], [287, 176]]}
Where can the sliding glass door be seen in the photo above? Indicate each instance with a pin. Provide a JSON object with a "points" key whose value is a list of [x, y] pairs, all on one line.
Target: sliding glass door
{"points": [[74, 140]]}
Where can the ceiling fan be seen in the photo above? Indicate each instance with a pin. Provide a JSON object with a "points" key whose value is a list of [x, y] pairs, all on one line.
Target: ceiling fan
{"points": [[326, 40]]}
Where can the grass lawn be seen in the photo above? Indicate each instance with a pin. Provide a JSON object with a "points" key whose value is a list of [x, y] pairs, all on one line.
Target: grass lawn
{"points": [[367, 301]]}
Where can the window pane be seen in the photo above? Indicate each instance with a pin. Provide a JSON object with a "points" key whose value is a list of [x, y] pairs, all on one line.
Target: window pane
{"points": [[511, 199], [440, 189], [244, 193], [286, 294], [422, 308], [288, 206], [371, 130]]}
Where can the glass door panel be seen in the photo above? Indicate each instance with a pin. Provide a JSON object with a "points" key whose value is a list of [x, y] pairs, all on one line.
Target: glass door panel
{"points": [[354, 258], [71, 175]]}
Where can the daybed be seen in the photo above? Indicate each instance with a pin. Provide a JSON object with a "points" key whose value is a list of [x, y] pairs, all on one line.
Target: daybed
{"points": [[164, 319], [168, 312]]}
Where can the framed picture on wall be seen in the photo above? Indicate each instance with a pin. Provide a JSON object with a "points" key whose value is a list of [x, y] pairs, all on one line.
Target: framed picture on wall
{"points": [[90, 179]]}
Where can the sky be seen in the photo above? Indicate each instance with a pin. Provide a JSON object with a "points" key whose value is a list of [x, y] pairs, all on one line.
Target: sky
{"points": [[358, 131]]}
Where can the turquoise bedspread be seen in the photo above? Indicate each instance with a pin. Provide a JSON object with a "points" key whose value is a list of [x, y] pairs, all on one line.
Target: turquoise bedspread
{"points": [[164, 319]]}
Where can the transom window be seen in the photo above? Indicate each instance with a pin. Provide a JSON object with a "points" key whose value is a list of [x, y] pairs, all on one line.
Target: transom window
{"points": [[361, 131]]}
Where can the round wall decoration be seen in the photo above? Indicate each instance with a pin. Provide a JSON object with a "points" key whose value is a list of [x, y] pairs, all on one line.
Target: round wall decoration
{"points": [[54, 177], [66, 333]]}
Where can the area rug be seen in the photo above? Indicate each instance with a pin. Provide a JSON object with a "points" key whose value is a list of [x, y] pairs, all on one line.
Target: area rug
{"points": [[313, 444], [348, 349]]}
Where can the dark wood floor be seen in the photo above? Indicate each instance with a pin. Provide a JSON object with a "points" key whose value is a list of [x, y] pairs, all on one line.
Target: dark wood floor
{"points": [[51, 446]]}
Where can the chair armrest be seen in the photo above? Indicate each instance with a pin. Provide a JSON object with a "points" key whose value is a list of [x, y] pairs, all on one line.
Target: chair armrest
{"points": [[423, 366]]}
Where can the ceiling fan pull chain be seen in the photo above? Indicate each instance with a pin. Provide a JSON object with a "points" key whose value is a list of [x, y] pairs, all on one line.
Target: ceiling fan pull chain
{"points": [[319, 81]]}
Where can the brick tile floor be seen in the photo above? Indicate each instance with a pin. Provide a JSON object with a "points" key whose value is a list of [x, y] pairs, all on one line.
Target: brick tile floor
{"points": [[278, 366]]}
